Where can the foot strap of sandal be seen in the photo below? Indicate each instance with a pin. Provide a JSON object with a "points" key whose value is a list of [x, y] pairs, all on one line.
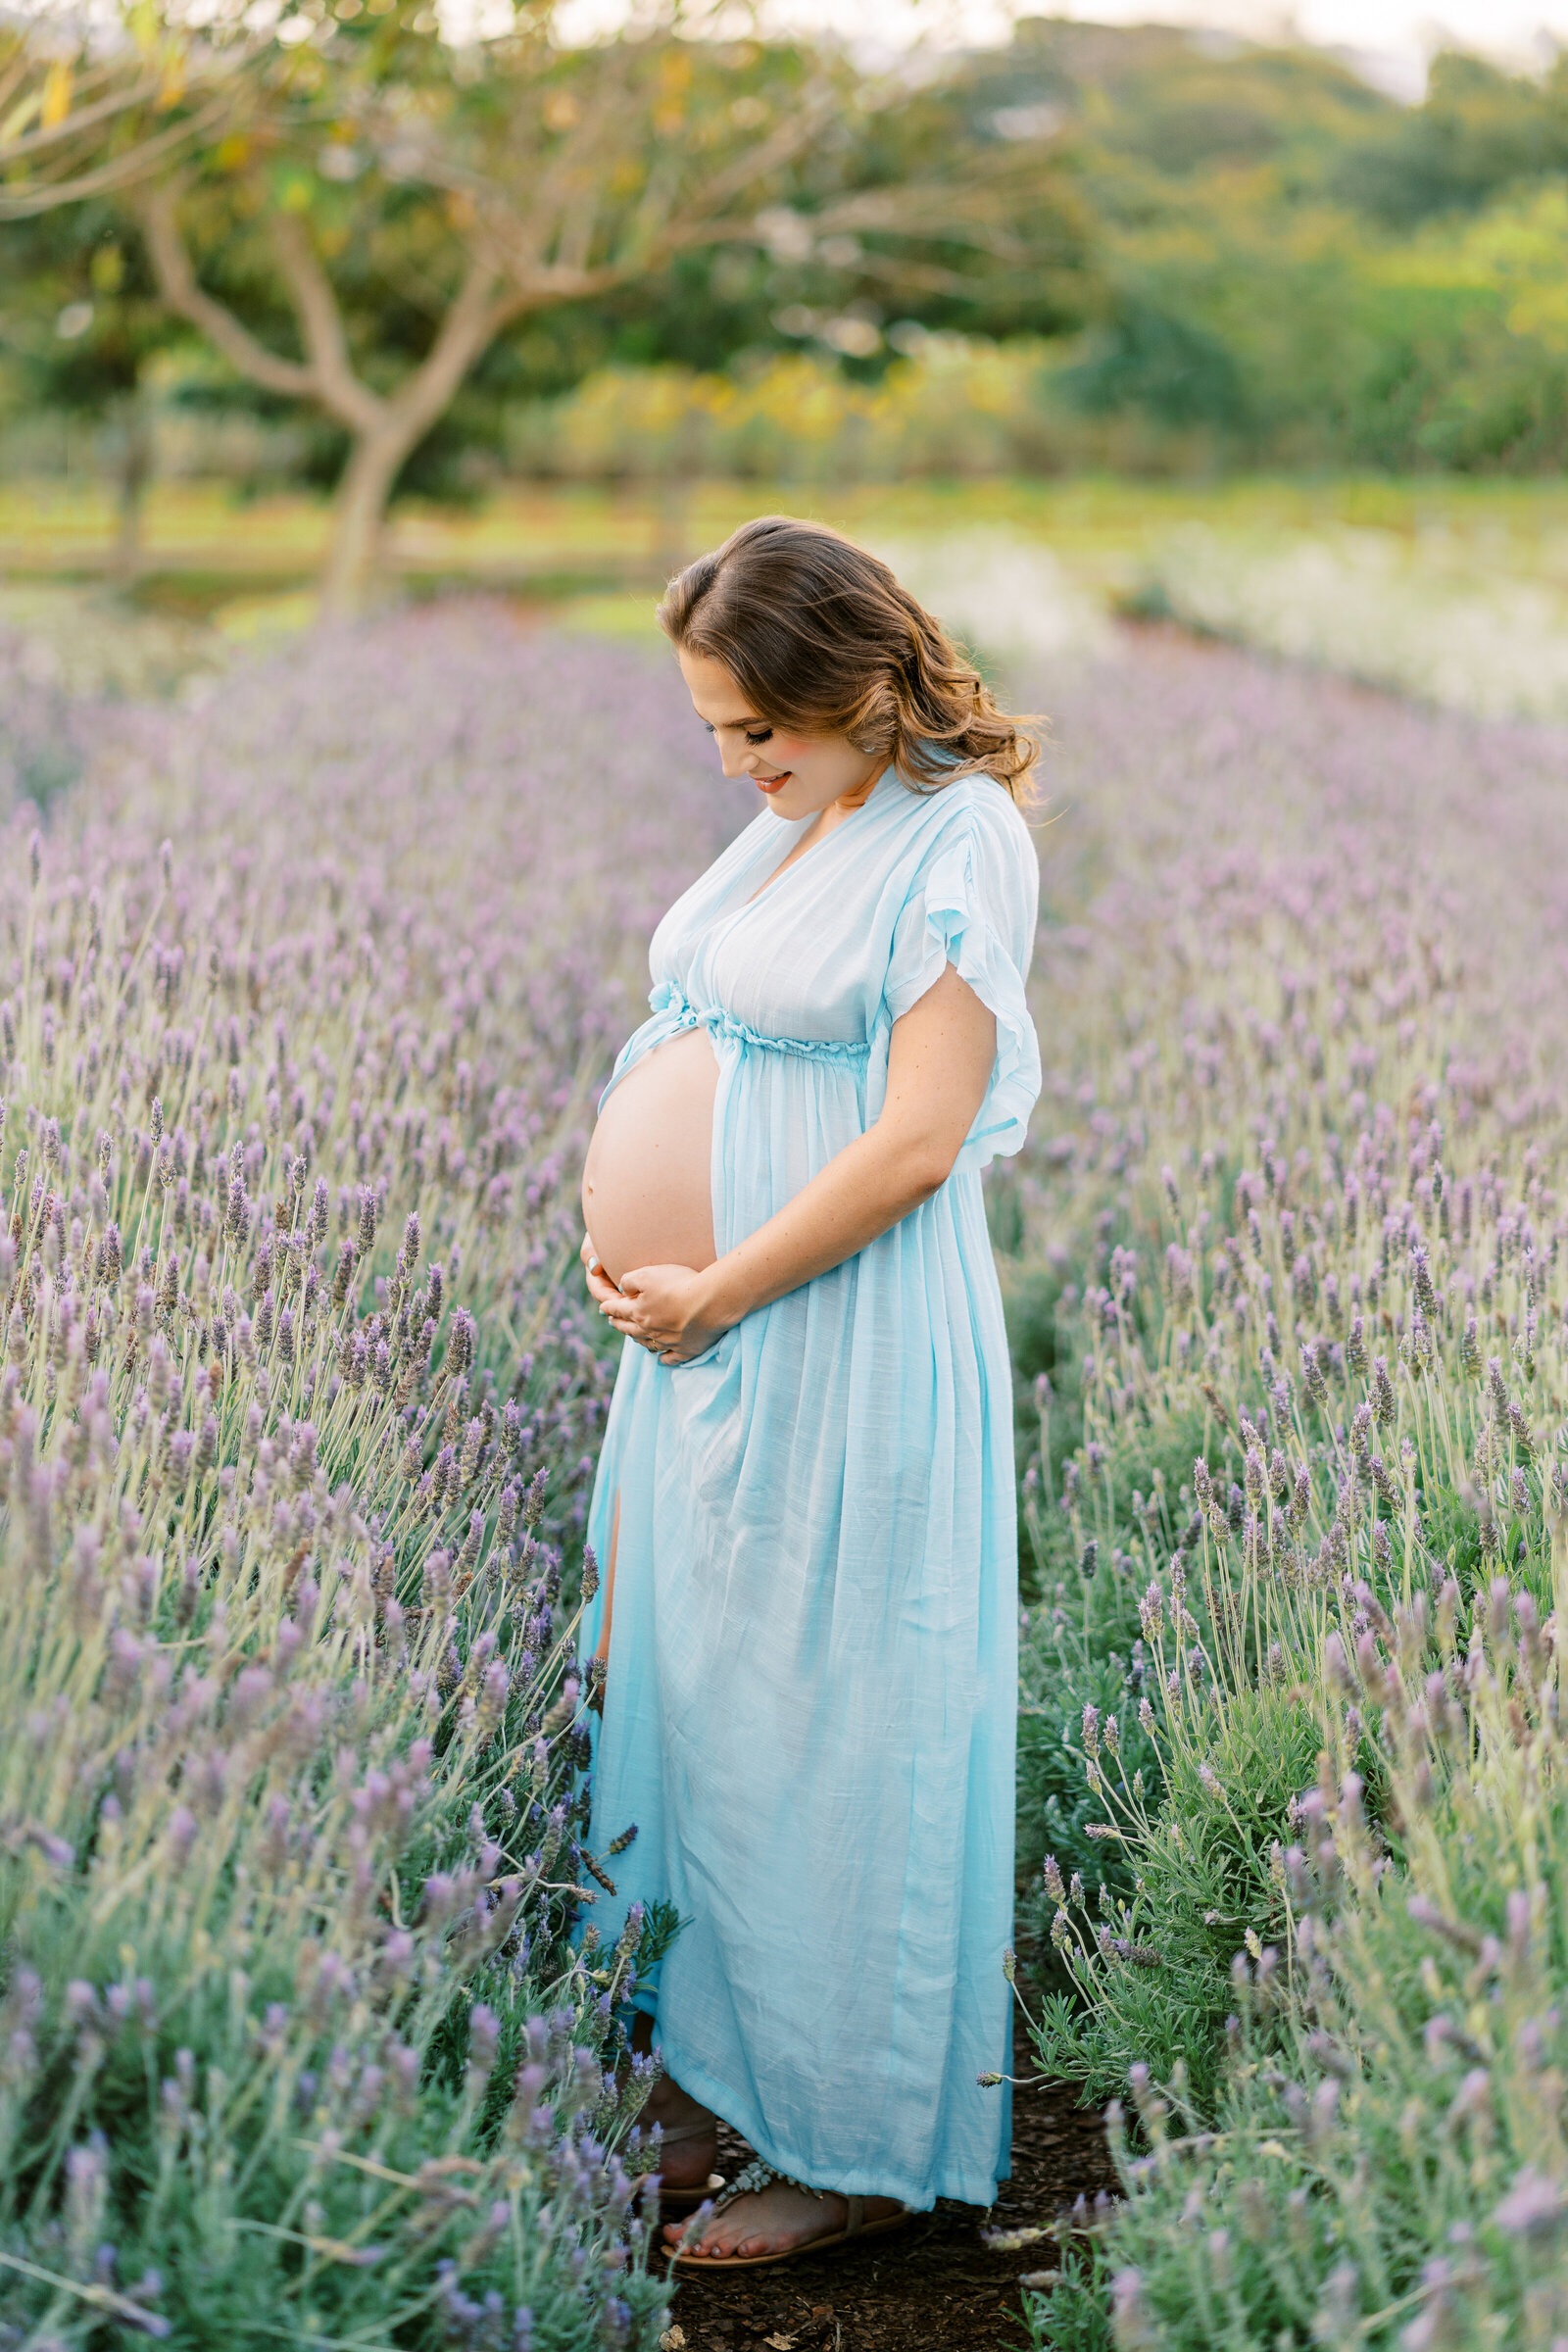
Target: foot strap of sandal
{"points": [[754, 2177]]}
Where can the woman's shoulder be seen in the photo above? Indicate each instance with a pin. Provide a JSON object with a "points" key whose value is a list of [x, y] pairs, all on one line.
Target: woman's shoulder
{"points": [[985, 811]]}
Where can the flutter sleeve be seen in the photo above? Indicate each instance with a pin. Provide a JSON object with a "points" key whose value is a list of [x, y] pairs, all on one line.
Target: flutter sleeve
{"points": [[974, 904]]}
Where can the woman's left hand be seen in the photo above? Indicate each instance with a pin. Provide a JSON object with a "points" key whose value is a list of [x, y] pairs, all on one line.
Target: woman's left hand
{"points": [[664, 1309]]}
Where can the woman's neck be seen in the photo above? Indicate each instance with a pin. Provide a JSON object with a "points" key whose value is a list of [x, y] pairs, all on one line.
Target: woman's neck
{"points": [[848, 801]]}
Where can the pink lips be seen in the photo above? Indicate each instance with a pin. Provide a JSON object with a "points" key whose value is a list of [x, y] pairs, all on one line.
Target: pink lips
{"points": [[772, 783]]}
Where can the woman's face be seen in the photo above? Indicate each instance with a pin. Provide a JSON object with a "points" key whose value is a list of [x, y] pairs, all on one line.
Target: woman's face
{"points": [[797, 775]]}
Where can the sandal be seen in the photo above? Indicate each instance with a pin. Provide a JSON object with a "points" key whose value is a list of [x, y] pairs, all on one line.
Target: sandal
{"points": [[675, 2203], [755, 2176]]}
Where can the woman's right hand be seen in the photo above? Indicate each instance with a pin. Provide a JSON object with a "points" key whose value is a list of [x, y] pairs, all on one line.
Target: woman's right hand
{"points": [[600, 1290]]}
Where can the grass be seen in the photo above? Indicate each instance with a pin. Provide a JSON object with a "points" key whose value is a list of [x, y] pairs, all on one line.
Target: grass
{"points": [[204, 548]]}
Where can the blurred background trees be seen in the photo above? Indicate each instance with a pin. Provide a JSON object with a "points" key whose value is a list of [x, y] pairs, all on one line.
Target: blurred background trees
{"points": [[374, 207], [84, 327], [388, 266], [1313, 271]]}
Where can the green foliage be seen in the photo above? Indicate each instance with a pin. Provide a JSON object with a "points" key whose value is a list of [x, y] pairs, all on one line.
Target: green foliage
{"points": [[949, 408], [1082, 1651], [1387, 2137], [1201, 1845], [1479, 131], [81, 333], [1147, 358]]}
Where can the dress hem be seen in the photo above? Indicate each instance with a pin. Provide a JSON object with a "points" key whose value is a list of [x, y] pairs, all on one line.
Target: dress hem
{"points": [[738, 2114]]}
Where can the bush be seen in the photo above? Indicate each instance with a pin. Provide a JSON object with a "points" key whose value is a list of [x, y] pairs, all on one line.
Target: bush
{"points": [[958, 407]]}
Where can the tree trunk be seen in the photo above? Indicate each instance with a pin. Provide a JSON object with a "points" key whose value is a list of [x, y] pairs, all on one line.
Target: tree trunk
{"points": [[138, 456], [359, 514]]}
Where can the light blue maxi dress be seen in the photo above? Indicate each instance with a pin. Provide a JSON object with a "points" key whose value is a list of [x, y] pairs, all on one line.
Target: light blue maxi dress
{"points": [[810, 1709]]}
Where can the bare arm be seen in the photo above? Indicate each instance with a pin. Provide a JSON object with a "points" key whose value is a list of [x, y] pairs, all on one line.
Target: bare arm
{"points": [[940, 1061]]}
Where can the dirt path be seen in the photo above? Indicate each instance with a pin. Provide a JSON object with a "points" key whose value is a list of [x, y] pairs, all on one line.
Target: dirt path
{"points": [[932, 2287]]}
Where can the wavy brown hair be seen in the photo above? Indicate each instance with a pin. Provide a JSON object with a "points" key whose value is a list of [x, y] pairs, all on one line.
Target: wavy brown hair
{"points": [[819, 637]]}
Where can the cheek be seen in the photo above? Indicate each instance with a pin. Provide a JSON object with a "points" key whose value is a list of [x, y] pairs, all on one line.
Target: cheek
{"points": [[790, 751]]}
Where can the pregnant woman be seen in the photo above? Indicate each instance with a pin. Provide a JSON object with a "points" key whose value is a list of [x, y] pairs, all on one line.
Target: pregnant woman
{"points": [[805, 1633]]}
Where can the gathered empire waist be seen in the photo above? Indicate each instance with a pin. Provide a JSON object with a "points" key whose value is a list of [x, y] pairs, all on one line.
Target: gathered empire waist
{"points": [[668, 1000]]}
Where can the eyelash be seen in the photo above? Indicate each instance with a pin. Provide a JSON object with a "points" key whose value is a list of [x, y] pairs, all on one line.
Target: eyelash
{"points": [[762, 737]]}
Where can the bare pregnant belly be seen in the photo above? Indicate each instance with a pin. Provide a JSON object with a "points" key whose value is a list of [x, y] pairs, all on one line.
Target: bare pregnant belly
{"points": [[647, 1187]]}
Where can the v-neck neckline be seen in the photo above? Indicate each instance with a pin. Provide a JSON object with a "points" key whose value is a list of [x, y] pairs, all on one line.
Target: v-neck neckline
{"points": [[796, 855]]}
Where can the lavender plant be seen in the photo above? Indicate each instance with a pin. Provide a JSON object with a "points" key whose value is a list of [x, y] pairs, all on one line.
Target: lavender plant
{"points": [[295, 1426], [1304, 1202], [41, 730]]}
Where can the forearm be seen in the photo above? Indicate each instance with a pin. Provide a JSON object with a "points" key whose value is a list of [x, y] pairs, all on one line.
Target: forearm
{"points": [[939, 1066], [863, 1190]]}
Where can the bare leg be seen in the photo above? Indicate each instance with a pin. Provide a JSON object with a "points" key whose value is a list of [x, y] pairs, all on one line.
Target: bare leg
{"points": [[603, 1650], [687, 2161], [602, 1654]]}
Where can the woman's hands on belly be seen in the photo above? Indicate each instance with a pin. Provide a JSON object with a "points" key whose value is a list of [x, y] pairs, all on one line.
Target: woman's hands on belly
{"points": [[940, 1060], [661, 1307]]}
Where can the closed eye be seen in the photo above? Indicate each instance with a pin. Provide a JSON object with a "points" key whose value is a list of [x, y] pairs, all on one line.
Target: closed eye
{"points": [[762, 734]]}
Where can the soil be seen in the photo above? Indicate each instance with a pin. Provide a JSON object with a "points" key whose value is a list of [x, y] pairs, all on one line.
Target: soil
{"points": [[933, 2287]]}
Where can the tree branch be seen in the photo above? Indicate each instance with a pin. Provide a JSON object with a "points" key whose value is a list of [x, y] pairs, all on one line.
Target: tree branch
{"points": [[468, 325], [179, 287], [16, 150], [24, 202], [13, 74], [106, 92], [326, 376], [814, 109], [326, 349]]}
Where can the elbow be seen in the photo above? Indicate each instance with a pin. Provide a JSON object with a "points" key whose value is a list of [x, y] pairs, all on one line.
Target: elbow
{"points": [[916, 1160], [926, 1169]]}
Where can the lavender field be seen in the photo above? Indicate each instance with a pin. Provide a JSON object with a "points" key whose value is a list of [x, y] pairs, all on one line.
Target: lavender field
{"points": [[302, 997], [1288, 1284], [304, 990]]}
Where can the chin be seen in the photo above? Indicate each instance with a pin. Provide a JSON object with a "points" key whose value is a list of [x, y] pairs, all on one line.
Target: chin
{"points": [[791, 804]]}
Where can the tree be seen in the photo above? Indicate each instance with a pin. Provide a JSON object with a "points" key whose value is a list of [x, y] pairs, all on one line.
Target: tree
{"points": [[81, 325], [1478, 131], [381, 206]]}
